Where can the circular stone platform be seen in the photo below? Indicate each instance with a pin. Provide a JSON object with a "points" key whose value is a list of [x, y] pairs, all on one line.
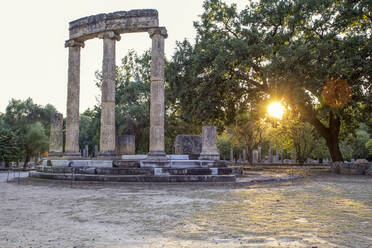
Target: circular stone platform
{"points": [[139, 171]]}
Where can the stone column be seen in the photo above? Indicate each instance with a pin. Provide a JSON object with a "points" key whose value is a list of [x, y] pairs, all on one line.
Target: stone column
{"points": [[107, 138], [244, 155], [156, 149], [209, 146], [231, 155], [73, 94], [259, 156], [56, 135]]}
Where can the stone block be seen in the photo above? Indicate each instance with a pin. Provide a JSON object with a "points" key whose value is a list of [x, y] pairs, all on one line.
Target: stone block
{"points": [[188, 144], [178, 157], [125, 145]]}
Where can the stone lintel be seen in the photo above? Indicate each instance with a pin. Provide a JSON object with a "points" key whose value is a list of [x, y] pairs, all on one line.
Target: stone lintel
{"points": [[120, 22]]}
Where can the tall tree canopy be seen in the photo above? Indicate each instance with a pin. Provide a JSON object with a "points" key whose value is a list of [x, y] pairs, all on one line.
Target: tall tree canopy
{"points": [[282, 50]]}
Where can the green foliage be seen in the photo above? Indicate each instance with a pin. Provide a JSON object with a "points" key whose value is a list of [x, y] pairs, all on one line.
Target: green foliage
{"points": [[247, 131], [30, 123], [9, 147], [35, 139], [279, 50], [89, 129], [368, 145]]}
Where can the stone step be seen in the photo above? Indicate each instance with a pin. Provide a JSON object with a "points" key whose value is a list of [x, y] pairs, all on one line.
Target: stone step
{"points": [[141, 171], [134, 178], [127, 163]]}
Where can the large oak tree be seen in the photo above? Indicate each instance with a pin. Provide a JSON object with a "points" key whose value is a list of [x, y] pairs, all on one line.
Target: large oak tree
{"points": [[282, 50]]}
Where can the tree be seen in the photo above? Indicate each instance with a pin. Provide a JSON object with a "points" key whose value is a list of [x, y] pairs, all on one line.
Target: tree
{"points": [[279, 50], [297, 137], [9, 144], [132, 99], [247, 131], [30, 122], [34, 141]]}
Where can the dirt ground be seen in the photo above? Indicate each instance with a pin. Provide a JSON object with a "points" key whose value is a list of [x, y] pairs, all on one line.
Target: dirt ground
{"points": [[318, 211]]}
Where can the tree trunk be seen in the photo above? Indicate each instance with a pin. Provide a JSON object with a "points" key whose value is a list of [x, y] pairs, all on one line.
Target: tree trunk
{"points": [[330, 133], [27, 159], [334, 149]]}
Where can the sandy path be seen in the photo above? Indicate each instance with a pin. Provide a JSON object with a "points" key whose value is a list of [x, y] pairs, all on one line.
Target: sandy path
{"points": [[324, 211]]}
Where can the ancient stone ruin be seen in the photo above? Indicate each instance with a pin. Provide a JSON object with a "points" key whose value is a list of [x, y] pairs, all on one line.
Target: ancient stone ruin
{"points": [[116, 160], [109, 27]]}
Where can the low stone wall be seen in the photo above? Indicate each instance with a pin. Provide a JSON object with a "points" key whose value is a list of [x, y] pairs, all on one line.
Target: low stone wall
{"points": [[352, 168]]}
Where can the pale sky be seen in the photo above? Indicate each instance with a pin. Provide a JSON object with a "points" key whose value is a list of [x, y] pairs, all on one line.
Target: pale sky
{"points": [[33, 56]]}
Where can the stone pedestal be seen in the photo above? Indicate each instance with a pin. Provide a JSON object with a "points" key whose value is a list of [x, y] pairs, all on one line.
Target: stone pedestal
{"points": [[56, 135], [125, 145], [209, 146], [156, 149], [73, 94], [189, 145], [107, 138]]}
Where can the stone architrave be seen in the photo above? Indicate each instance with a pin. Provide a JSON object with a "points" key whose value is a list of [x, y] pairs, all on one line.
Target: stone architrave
{"points": [[73, 93], [125, 145], [157, 149], [209, 146], [107, 138], [56, 135], [187, 144]]}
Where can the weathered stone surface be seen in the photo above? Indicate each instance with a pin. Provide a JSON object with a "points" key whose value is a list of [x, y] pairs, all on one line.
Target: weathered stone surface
{"points": [[125, 145], [209, 143], [139, 20], [188, 144], [361, 161], [349, 169], [73, 93], [127, 163], [156, 149], [107, 138], [56, 135]]}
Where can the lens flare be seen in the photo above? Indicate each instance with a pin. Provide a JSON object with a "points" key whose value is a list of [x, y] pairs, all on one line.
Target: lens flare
{"points": [[276, 109]]}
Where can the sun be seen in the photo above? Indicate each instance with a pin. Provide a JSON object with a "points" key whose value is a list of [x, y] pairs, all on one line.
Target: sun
{"points": [[275, 109]]}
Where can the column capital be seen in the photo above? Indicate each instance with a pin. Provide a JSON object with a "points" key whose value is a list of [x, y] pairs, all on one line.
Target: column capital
{"points": [[109, 35], [160, 30], [74, 43]]}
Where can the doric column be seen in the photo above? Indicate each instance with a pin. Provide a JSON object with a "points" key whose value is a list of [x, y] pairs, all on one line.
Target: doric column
{"points": [[73, 93], [156, 150], [209, 147], [56, 135], [107, 138]]}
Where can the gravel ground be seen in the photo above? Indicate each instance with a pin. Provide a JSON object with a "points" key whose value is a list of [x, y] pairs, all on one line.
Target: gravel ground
{"points": [[318, 211]]}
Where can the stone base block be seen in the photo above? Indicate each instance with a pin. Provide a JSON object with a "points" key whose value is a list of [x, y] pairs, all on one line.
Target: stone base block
{"points": [[127, 163], [55, 154], [209, 156], [71, 155], [134, 178], [154, 163], [80, 163]]}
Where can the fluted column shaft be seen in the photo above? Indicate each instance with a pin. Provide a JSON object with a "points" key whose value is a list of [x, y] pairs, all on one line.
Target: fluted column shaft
{"points": [[156, 149], [73, 97], [107, 138]]}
